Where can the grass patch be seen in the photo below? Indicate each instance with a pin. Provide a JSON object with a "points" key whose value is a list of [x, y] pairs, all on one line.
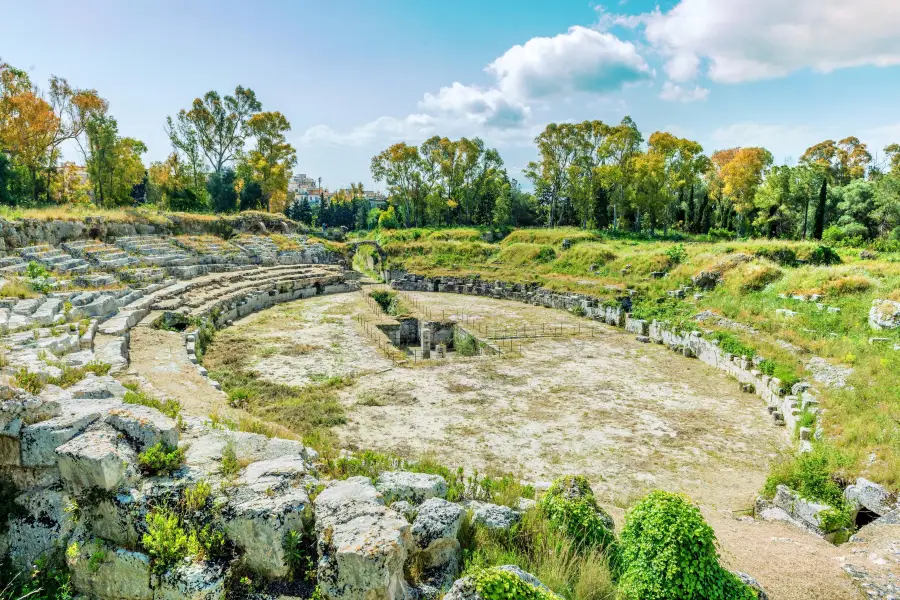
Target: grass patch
{"points": [[308, 411], [170, 408]]}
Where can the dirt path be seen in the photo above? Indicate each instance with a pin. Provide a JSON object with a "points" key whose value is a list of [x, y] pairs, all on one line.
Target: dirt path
{"points": [[159, 361]]}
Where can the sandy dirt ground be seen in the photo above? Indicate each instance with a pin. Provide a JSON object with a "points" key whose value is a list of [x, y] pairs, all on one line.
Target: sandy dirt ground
{"points": [[160, 364], [630, 416]]}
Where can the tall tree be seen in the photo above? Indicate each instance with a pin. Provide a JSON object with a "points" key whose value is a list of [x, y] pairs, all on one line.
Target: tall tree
{"points": [[556, 146], [272, 157], [824, 159], [29, 128], [221, 124], [400, 166], [621, 145], [186, 141]]}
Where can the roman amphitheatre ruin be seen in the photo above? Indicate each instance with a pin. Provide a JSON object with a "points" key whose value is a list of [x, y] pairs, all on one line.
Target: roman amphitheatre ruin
{"points": [[198, 411]]}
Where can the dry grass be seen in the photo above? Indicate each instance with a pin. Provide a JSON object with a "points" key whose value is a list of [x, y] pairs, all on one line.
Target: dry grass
{"points": [[17, 289]]}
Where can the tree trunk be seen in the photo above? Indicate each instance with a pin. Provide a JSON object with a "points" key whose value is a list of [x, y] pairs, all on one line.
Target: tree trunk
{"points": [[690, 216], [819, 224]]}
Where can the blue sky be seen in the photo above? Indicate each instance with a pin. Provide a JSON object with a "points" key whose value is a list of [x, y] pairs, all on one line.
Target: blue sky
{"points": [[353, 77]]}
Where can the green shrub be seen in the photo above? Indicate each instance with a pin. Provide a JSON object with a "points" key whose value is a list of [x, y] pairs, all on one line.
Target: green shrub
{"points": [[463, 343], [545, 255], [810, 474], [195, 497], [28, 381], [731, 344], [384, 298], [676, 254], [570, 506], [779, 255], [166, 541], [494, 584], [824, 255], [230, 465], [545, 551], [669, 553], [663, 308], [160, 459]]}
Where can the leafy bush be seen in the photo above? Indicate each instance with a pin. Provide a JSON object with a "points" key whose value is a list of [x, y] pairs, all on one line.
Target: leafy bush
{"points": [[810, 475], [676, 254], [779, 255], [166, 541], [33, 270], [570, 506], [787, 375], [824, 255], [663, 308], [160, 459], [545, 255], [573, 572], [494, 584], [669, 553]]}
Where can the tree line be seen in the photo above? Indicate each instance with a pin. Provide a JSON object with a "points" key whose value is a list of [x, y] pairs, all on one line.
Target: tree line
{"points": [[600, 176], [227, 153]]}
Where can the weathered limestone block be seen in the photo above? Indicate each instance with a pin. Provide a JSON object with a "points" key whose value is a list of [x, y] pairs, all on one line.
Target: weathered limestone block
{"points": [[405, 509], [195, 581], [274, 474], [144, 426], [637, 326], [43, 525], [435, 531], [119, 519], [256, 521], [103, 306], [114, 353], [871, 496], [806, 511], [40, 441], [493, 516], [98, 458], [98, 388], [362, 545], [113, 574], [884, 314], [412, 487]]}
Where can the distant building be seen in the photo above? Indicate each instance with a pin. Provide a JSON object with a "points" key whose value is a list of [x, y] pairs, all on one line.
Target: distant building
{"points": [[301, 181]]}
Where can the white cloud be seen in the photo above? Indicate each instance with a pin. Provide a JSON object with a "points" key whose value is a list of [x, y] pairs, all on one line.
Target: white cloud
{"points": [[483, 107], [581, 60], [676, 93], [383, 128], [747, 40]]}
